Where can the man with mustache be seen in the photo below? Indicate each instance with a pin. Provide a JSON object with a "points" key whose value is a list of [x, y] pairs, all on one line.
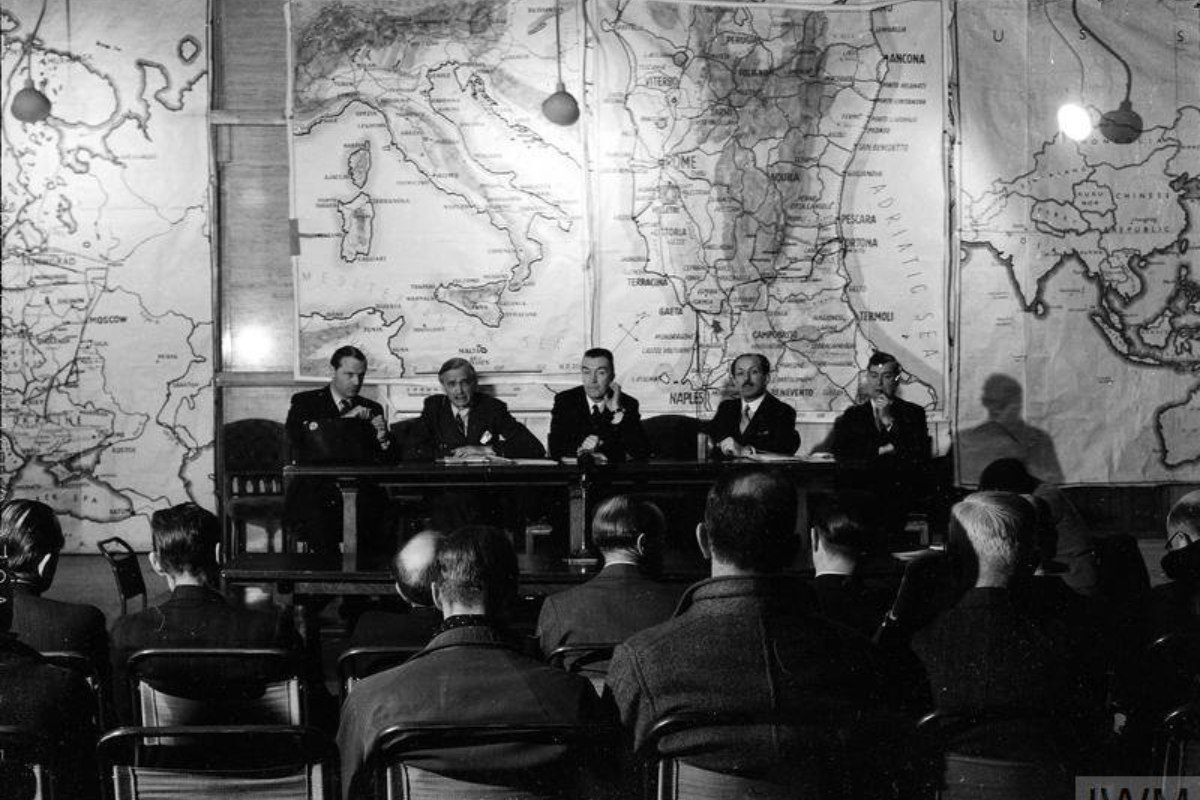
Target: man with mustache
{"points": [[756, 421]]}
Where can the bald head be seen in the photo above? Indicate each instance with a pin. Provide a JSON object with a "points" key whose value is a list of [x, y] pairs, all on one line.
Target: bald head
{"points": [[1183, 521], [415, 566]]}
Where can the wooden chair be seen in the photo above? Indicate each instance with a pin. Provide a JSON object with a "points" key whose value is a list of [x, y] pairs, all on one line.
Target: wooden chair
{"points": [[397, 779], [25, 765], [970, 777], [126, 571], [252, 485], [273, 762], [217, 686], [357, 663]]}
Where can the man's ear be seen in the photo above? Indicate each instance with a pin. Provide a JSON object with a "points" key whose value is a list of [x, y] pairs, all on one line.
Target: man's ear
{"points": [[156, 563], [44, 563], [640, 544], [703, 542], [435, 589], [814, 539]]}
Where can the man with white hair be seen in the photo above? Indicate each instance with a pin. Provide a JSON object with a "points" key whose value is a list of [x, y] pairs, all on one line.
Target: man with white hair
{"points": [[1177, 603]]}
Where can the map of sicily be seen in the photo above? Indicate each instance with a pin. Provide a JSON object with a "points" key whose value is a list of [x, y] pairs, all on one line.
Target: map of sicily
{"points": [[766, 177]]}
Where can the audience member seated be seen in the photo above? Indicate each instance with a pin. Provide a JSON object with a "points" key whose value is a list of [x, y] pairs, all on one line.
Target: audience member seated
{"points": [[843, 530], [625, 597], [31, 536], [50, 702], [472, 672], [184, 540], [1073, 542], [749, 641], [1176, 604], [414, 568], [994, 653]]}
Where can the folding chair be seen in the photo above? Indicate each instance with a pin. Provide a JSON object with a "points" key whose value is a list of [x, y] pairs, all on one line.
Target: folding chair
{"points": [[25, 759], [217, 686], [1177, 743], [78, 662], [587, 658], [357, 663], [126, 570], [272, 762]]}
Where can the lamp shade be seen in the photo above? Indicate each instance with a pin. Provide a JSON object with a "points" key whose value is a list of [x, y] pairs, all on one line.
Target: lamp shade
{"points": [[561, 107], [29, 104]]}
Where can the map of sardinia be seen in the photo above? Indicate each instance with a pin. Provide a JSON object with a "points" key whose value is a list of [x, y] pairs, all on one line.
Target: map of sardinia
{"points": [[767, 177], [1079, 276], [106, 326]]}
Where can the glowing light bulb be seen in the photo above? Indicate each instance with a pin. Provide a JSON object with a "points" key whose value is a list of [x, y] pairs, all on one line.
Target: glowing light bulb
{"points": [[1074, 121], [253, 345]]}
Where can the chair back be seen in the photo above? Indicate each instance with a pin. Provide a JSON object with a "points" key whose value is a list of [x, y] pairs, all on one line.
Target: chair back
{"points": [[672, 436], [25, 758], [252, 480], [80, 663], [1177, 742], [397, 778], [217, 686], [964, 776], [125, 568], [587, 658], [357, 663], [272, 762]]}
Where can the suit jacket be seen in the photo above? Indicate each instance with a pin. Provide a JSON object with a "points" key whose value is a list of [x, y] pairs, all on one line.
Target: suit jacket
{"points": [[194, 616], [856, 437], [56, 703], [611, 607], [468, 674], [49, 625], [772, 429], [318, 404], [751, 645], [440, 435], [571, 423], [853, 602]]}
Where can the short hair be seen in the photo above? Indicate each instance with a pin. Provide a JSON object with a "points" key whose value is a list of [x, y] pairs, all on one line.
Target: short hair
{"points": [[29, 530], [880, 358], [416, 569], [1007, 475], [763, 363], [186, 538], [1185, 514], [477, 564], [999, 527], [601, 352], [620, 519], [750, 519], [456, 363], [846, 522], [1000, 390], [346, 351]]}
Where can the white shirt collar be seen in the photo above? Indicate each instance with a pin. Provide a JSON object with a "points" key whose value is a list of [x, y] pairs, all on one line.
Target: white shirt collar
{"points": [[753, 404], [337, 398]]}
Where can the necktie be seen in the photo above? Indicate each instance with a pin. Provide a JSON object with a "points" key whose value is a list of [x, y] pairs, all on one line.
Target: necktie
{"points": [[745, 423], [343, 405], [461, 424], [596, 416]]}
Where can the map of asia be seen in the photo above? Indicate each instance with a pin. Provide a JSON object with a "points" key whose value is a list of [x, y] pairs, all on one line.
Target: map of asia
{"points": [[106, 332]]}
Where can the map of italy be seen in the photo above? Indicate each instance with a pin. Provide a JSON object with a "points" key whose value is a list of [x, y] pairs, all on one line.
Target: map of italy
{"points": [[763, 177], [106, 324]]}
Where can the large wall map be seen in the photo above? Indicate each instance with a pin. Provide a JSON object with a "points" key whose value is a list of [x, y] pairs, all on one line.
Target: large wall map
{"points": [[767, 177], [1079, 274], [106, 335]]}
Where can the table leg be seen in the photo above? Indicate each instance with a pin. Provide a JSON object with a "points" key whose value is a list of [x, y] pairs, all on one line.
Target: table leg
{"points": [[349, 490], [577, 509]]}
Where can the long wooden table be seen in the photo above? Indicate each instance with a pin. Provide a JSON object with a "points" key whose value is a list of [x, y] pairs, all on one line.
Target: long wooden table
{"points": [[579, 483]]}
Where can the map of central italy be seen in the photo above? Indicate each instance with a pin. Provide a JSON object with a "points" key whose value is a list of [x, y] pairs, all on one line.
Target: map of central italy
{"points": [[767, 177]]}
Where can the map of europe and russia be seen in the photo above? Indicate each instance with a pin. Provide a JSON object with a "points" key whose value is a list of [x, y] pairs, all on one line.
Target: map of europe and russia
{"points": [[106, 340], [768, 177]]}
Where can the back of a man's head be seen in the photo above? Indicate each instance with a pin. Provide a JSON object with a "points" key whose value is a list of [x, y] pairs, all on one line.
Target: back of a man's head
{"points": [[1184, 516], [29, 531], [750, 521], [621, 520], [185, 538], [416, 567], [477, 570], [847, 523], [997, 529]]}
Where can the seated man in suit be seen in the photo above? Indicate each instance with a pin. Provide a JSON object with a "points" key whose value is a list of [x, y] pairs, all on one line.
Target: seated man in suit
{"points": [[1000, 651], [757, 421], [313, 506], [51, 702], [464, 422], [1176, 604], [889, 437], [597, 418], [32, 538], [842, 535], [184, 541], [472, 672], [414, 568], [750, 641], [624, 598]]}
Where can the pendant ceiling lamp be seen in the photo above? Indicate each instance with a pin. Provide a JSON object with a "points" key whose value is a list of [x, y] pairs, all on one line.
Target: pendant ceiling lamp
{"points": [[561, 107], [1122, 125], [30, 105]]}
